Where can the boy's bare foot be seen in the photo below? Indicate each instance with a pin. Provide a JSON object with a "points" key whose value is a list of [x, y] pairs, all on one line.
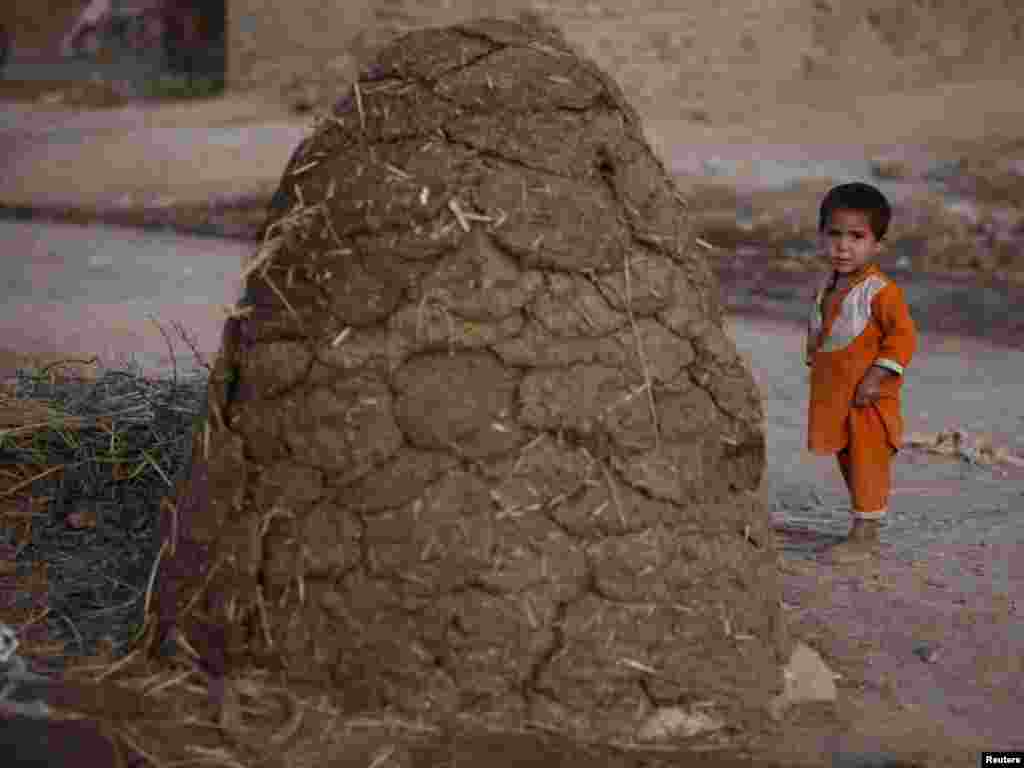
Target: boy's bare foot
{"points": [[860, 544]]}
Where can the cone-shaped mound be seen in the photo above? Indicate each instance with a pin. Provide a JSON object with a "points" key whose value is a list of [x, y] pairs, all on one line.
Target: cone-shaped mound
{"points": [[476, 440]]}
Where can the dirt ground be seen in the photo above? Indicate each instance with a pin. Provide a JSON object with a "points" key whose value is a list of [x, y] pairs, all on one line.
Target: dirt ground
{"points": [[945, 154]]}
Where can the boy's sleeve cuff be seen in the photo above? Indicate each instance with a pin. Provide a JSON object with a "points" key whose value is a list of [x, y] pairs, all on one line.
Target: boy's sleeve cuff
{"points": [[890, 365]]}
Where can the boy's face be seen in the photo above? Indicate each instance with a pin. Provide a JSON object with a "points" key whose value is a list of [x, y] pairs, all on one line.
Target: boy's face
{"points": [[849, 242]]}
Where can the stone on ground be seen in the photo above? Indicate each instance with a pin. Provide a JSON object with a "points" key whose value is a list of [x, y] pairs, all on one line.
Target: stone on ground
{"points": [[808, 679]]}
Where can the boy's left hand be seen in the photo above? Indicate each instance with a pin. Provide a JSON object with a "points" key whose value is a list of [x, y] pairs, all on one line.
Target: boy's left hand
{"points": [[869, 389]]}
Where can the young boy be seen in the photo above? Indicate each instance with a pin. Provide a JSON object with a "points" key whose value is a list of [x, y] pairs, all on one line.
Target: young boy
{"points": [[860, 340]]}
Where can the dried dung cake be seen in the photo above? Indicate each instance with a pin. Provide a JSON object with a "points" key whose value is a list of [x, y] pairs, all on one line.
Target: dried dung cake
{"points": [[476, 441]]}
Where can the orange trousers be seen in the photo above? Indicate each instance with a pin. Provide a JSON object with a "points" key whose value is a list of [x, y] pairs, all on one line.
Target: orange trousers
{"points": [[866, 463]]}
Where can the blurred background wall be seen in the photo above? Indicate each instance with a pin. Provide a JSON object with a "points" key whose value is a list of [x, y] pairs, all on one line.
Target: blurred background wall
{"points": [[676, 58], [672, 56], [123, 41]]}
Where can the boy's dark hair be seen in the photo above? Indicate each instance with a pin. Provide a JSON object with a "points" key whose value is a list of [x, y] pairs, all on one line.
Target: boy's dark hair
{"points": [[857, 196]]}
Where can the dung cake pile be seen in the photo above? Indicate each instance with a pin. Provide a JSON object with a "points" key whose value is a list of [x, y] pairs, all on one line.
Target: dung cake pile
{"points": [[476, 441]]}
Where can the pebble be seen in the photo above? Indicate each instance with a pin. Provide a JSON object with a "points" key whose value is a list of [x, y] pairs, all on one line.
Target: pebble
{"points": [[929, 654], [944, 171], [890, 168], [14, 671], [807, 678], [716, 166], [675, 722]]}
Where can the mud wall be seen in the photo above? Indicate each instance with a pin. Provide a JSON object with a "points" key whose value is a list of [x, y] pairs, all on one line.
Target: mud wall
{"points": [[271, 43], [675, 58], [655, 48], [39, 26], [906, 43]]}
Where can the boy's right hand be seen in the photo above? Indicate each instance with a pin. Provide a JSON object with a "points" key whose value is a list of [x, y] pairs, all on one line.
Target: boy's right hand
{"points": [[810, 348], [869, 388]]}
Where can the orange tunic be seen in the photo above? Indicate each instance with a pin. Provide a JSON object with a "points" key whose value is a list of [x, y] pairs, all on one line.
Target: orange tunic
{"points": [[869, 324]]}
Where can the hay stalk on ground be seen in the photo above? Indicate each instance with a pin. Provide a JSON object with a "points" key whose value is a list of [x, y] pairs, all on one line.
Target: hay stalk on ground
{"points": [[96, 456]]}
